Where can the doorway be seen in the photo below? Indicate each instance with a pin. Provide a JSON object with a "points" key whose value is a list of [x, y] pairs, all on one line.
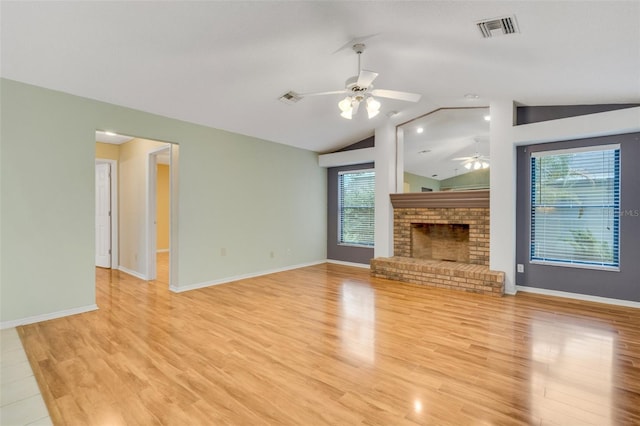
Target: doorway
{"points": [[132, 209], [158, 223]]}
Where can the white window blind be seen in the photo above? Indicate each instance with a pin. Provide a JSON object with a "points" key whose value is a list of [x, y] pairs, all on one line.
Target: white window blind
{"points": [[575, 207], [356, 200]]}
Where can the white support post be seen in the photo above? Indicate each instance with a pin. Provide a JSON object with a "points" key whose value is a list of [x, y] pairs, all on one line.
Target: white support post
{"points": [[385, 166]]}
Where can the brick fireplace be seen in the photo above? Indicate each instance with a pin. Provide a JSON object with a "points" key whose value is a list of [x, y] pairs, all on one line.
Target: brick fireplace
{"points": [[441, 239], [437, 241]]}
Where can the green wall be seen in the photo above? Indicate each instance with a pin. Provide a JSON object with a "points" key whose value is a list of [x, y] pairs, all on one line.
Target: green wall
{"points": [[477, 179], [416, 182], [249, 196]]}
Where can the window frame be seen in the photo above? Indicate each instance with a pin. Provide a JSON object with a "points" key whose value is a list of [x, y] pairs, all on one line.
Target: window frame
{"points": [[571, 263], [340, 241]]}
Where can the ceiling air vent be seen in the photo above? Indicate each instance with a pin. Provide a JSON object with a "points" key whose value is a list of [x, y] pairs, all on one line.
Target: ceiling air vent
{"points": [[498, 26], [290, 97]]}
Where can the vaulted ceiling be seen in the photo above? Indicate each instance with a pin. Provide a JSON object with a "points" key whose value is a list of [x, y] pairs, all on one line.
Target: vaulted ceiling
{"points": [[225, 64]]}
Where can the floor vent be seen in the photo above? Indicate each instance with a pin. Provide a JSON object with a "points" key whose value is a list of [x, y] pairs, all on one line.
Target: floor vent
{"points": [[498, 26]]}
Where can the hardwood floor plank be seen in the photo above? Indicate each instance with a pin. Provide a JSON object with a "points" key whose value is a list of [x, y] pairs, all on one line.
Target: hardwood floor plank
{"points": [[330, 345]]}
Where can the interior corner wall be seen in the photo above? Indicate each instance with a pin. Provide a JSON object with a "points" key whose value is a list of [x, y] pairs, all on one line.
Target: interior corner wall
{"points": [[417, 182], [162, 207], [107, 151], [252, 197], [335, 251], [476, 179], [132, 215], [503, 192]]}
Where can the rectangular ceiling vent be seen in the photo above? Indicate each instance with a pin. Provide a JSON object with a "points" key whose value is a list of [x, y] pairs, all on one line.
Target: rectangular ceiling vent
{"points": [[498, 26], [290, 98]]}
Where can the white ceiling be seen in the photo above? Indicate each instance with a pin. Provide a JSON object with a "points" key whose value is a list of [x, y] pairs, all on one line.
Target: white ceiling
{"points": [[112, 138], [224, 64]]}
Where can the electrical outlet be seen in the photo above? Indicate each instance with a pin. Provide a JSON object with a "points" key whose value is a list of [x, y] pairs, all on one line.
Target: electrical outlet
{"points": [[520, 267], [223, 251]]}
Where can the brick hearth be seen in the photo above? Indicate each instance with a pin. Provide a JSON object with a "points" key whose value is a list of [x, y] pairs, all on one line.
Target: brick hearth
{"points": [[451, 275], [450, 208]]}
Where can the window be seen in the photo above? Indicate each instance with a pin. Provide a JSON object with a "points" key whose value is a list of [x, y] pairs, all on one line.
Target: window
{"points": [[356, 200], [575, 207]]}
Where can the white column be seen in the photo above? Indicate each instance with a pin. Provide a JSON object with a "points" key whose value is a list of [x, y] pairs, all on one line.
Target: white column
{"points": [[502, 256], [385, 166]]}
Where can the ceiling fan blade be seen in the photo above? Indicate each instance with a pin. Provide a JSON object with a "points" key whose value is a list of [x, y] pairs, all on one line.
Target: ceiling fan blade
{"points": [[333, 92], [394, 94], [366, 78], [463, 159]]}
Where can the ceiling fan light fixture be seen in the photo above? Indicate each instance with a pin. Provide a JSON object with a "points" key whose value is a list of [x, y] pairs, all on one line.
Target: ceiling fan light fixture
{"points": [[373, 107], [345, 105], [347, 114], [476, 165], [485, 165], [467, 166]]}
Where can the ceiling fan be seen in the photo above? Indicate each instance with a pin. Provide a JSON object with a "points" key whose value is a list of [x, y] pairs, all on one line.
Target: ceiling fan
{"points": [[360, 89], [476, 161]]}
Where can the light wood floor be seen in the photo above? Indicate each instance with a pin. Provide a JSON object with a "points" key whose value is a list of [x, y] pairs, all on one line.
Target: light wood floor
{"points": [[329, 345]]}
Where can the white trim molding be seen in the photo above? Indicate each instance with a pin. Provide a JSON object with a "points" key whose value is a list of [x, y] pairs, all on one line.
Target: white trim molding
{"points": [[347, 158], [241, 277], [577, 296], [115, 213], [132, 273], [356, 265], [47, 317]]}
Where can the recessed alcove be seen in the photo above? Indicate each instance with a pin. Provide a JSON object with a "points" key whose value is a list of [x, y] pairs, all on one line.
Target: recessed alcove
{"points": [[437, 241]]}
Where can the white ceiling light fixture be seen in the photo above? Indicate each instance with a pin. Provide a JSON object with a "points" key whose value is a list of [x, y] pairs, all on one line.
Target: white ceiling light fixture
{"points": [[359, 89], [346, 107], [373, 107]]}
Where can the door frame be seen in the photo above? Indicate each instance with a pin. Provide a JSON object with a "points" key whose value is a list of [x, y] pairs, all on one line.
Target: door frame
{"points": [[151, 231], [113, 166]]}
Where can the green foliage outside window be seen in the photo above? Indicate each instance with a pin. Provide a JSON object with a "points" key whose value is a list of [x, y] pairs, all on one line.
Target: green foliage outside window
{"points": [[356, 194]]}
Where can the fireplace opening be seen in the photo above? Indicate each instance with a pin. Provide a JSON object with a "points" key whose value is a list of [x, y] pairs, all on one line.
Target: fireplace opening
{"points": [[434, 241]]}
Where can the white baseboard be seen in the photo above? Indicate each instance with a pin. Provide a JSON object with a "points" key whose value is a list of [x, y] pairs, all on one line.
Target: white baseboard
{"points": [[132, 273], [357, 265], [241, 277], [162, 251], [577, 296], [46, 317]]}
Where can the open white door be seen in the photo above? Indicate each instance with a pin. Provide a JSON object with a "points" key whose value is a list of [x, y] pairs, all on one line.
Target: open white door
{"points": [[103, 215]]}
